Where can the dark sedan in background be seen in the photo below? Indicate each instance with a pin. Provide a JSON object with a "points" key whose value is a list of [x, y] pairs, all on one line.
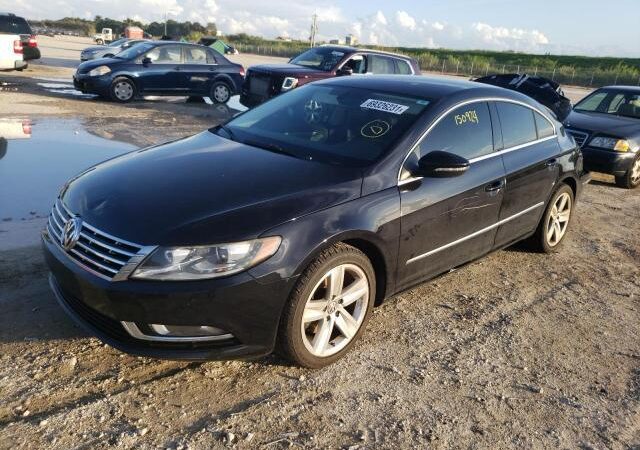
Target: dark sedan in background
{"points": [[606, 124], [108, 51], [161, 68], [327, 61], [289, 222]]}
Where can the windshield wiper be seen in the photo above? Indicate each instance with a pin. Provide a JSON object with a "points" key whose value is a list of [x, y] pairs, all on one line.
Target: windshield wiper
{"points": [[271, 147], [227, 130]]}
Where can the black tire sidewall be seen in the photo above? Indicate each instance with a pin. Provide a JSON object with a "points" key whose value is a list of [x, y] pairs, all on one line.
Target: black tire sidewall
{"points": [[625, 180], [291, 343], [113, 86], [213, 88]]}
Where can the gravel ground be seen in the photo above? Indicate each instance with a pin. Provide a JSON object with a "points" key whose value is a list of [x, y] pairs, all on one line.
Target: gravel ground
{"points": [[515, 350]]}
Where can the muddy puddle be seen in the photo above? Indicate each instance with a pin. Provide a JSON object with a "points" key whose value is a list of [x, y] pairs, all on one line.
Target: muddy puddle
{"points": [[38, 156]]}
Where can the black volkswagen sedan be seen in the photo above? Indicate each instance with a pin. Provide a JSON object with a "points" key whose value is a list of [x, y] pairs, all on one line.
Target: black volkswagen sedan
{"points": [[606, 124], [161, 68], [285, 226]]}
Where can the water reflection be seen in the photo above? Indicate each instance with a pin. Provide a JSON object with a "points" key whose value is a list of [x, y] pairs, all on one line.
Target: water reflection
{"points": [[37, 157]]}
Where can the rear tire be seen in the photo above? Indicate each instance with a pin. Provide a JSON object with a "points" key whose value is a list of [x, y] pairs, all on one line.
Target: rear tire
{"points": [[220, 92], [553, 226], [631, 179], [329, 307], [122, 90]]}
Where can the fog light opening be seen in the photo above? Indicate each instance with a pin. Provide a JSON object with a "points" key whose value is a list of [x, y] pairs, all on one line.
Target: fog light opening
{"points": [[186, 331], [175, 333]]}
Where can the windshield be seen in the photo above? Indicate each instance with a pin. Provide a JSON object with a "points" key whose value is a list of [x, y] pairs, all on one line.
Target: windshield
{"points": [[329, 123], [118, 43], [612, 101], [135, 51], [14, 25], [321, 58]]}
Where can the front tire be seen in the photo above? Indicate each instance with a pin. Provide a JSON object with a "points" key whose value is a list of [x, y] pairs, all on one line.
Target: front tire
{"points": [[220, 92], [553, 226], [631, 179], [329, 307], [122, 90]]}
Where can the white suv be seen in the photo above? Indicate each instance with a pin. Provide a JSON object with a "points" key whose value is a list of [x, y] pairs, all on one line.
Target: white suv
{"points": [[11, 52]]}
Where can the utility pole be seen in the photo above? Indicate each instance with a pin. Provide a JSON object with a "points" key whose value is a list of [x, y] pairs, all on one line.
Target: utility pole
{"points": [[314, 30], [166, 15]]}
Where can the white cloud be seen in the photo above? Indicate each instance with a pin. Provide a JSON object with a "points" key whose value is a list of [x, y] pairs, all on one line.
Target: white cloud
{"points": [[405, 20], [380, 18], [504, 38]]}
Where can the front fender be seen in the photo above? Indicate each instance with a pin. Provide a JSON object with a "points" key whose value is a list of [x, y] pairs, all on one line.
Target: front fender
{"points": [[374, 219]]}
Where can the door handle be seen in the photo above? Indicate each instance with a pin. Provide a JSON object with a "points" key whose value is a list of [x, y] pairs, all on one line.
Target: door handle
{"points": [[552, 162], [495, 186]]}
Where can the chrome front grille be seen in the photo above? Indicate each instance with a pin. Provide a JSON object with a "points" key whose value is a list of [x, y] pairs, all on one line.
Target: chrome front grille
{"points": [[579, 136], [100, 253]]}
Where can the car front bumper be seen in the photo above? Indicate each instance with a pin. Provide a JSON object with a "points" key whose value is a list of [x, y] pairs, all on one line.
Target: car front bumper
{"points": [[247, 308], [607, 161], [92, 85]]}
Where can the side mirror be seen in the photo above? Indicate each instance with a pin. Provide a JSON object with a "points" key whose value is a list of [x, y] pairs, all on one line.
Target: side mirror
{"points": [[146, 61], [345, 71], [441, 164]]}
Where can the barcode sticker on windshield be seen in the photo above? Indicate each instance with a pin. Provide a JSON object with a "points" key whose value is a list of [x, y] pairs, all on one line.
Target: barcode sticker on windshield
{"points": [[380, 105]]}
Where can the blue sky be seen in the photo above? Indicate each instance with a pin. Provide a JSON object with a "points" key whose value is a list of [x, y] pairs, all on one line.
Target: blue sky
{"points": [[585, 27]]}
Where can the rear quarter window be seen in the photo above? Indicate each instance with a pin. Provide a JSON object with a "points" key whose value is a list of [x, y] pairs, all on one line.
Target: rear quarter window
{"points": [[544, 127], [518, 124]]}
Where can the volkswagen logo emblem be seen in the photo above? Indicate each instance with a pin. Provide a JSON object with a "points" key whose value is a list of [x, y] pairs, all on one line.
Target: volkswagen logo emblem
{"points": [[71, 232]]}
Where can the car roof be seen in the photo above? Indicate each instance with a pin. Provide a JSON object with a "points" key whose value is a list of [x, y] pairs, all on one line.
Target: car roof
{"points": [[349, 49], [634, 89], [423, 86]]}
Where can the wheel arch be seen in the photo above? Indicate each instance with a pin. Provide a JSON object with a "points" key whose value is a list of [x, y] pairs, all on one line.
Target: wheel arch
{"points": [[368, 243], [226, 79]]}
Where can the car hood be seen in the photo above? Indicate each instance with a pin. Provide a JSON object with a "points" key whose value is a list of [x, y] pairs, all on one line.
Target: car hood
{"points": [[204, 189], [93, 63], [290, 69], [96, 48], [619, 126]]}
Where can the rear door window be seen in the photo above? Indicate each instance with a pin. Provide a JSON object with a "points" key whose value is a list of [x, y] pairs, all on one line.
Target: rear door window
{"points": [[466, 132], [403, 67], [381, 65], [518, 124], [14, 25], [195, 55]]}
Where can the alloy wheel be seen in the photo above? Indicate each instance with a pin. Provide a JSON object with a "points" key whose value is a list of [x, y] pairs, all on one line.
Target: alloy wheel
{"points": [[558, 220], [635, 172], [335, 310], [123, 90]]}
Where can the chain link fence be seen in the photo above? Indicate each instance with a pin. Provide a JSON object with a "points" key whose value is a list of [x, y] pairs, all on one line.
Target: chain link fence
{"points": [[453, 66]]}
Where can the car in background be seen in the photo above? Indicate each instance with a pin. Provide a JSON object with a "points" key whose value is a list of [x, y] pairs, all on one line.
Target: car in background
{"points": [[284, 226], [161, 68], [109, 50], [268, 80], [218, 45], [11, 56], [606, 124], [12, 24]]}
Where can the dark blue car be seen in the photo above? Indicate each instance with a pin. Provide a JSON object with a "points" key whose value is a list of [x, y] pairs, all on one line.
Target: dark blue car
{"points": [[161, 68]]}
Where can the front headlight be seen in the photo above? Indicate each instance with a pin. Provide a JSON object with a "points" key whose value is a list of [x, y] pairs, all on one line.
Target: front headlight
{"points": [[289, 83], [619, 145], [199, 263], [99, 71]]}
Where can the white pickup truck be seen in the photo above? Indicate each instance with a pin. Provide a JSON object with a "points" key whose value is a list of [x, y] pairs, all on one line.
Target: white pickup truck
{"points": [[11, 52]]}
